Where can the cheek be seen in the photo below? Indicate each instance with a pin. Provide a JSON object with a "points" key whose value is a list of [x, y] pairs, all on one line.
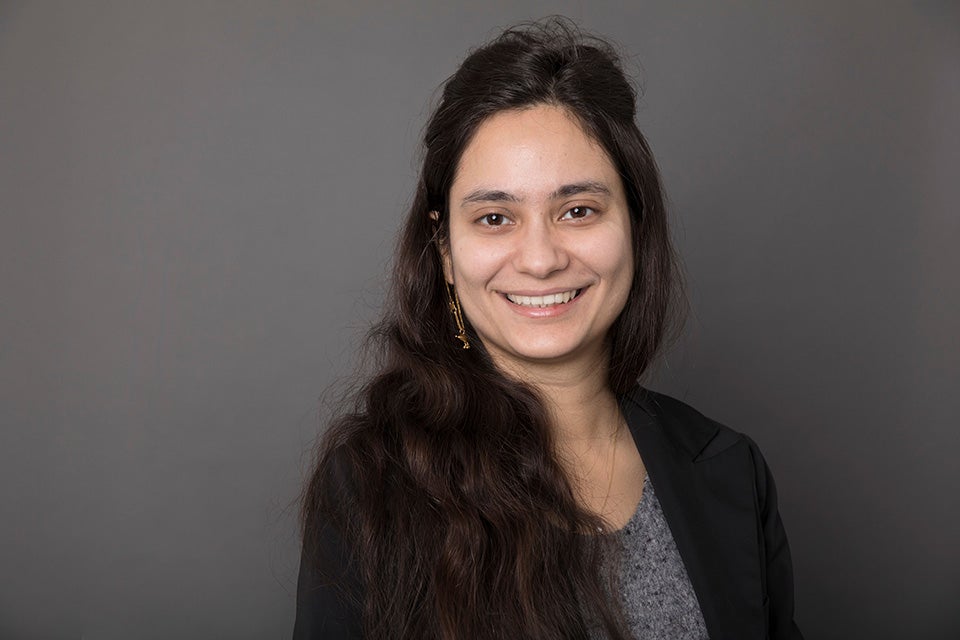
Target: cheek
{"points": [[475, 263], [612, 257]]}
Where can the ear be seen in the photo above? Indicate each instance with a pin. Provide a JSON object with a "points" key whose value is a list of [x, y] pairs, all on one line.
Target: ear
{"points": [[443, 249]]}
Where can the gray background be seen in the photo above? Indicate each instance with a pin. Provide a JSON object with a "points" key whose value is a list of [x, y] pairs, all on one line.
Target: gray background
{"points": [[198, 203]]}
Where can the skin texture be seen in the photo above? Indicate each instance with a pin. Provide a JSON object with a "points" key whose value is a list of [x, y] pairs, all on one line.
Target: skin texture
{"points": [[516, 227]]}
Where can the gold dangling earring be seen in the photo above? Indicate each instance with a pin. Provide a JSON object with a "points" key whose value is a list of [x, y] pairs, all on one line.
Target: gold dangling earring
{"points": [[457, 315]]}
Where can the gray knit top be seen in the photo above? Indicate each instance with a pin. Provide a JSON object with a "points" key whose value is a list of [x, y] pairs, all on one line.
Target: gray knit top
{"points": [[658, 599]]}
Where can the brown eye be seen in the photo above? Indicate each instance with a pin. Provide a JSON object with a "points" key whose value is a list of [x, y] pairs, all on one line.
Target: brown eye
{"points": [[492, 219], [577, 213]]}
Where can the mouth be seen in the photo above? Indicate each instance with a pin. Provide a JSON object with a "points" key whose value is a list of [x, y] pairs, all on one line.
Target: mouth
{"points": [[542, 302]]}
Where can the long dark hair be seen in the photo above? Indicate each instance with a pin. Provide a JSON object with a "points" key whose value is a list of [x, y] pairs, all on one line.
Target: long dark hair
{"points": [[442, 479]]}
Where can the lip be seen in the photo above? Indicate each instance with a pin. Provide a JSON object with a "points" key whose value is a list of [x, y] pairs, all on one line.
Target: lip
{"points": [[553, 311]]}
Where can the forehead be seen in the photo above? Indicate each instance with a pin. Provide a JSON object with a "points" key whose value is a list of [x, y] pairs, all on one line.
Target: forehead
{"points": [[530, 153]]}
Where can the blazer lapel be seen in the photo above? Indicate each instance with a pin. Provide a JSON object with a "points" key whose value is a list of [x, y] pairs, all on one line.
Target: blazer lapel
{"points": [[709, 507]]}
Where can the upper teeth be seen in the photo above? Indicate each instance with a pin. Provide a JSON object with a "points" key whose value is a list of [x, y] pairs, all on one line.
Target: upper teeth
{"points": [[543, 301]]}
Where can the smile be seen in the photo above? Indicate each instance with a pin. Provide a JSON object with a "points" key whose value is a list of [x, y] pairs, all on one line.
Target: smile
{"points": [[544, 301]]}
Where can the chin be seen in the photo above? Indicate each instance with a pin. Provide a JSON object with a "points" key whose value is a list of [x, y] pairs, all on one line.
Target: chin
{"points": [[544, 353]]}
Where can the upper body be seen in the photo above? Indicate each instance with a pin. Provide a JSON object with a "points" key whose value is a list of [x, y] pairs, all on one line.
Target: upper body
{"points": [[719, 500], [462, 496]]}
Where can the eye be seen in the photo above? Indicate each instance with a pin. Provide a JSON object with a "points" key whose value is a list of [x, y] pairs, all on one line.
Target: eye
{"points": [[492, 219], [577, 213]]}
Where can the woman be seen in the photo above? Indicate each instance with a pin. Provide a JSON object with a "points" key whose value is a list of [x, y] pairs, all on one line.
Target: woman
{"points": [[503, 475]]}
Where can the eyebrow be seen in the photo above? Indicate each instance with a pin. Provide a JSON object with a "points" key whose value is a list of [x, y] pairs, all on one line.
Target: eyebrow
{"points": [[565, 191]]}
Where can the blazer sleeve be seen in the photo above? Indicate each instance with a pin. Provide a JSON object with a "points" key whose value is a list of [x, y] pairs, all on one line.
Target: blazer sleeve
{"points": [[329, 592], [327, 603], [778, 574]]}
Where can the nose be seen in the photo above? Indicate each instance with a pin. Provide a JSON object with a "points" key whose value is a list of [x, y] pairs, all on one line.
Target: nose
{"points": [[540, 251]]}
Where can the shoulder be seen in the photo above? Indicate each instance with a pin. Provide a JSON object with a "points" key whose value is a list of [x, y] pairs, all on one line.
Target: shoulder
{"points": [[679, 424], [663, 424]]}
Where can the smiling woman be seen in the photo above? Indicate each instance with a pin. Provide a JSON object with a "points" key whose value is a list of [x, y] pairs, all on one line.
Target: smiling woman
{"points": [[503, 474], [540, 250]]}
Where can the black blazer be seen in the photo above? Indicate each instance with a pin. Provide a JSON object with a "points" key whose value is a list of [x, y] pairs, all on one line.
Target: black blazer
{"points": [[720, 501]]}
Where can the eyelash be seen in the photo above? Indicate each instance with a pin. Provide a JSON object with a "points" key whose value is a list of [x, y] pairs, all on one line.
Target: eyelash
{"points": [[581, 208], [484, 220]]}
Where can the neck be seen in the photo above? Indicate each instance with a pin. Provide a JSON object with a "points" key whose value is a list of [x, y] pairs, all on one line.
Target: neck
{"points": [[582, 411], [582, 407]]}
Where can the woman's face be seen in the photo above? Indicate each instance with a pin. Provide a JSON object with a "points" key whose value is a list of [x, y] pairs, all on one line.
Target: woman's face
{"points": [[540, 246]]}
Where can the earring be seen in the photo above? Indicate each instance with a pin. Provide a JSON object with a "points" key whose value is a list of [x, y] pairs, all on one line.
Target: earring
{"points": [[457, 315]]}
